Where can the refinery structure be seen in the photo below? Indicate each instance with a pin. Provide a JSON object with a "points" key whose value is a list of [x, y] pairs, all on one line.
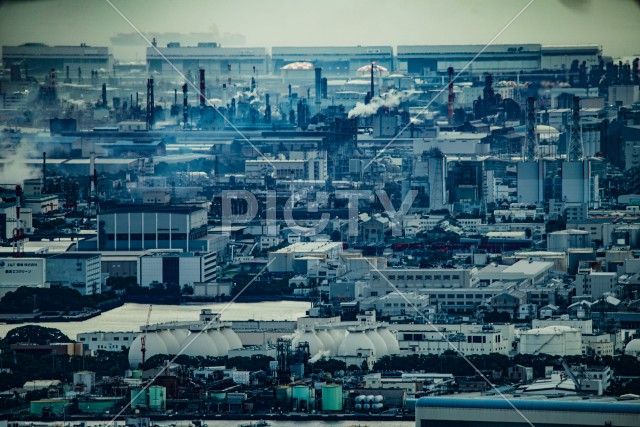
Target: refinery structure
{"points": [[461, 223]]}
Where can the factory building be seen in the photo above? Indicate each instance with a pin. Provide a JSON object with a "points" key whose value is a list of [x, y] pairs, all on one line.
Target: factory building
{"points": [[82, 272], [223, 63], [139, 227], [497, 58], [39, 59], [17, 272], [415, 279], [287, 258], [107, 341], [307, 166], [177, 268], [521, 412], [334, 60]]}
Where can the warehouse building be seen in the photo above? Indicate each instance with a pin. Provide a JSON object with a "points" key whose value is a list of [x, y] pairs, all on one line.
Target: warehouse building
{"points": [[177, 268], [79, 271], [541, 412]]}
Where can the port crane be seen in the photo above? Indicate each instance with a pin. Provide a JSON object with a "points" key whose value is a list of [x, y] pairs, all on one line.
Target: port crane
{"points": [[143, 338]]}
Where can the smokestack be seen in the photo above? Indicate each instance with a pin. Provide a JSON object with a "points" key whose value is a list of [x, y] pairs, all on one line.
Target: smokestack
{"points": [[373, 64], [104, 95], [184, 104], [175, 97], [68, 78], [53, 77], [451, 96], [318, 72], [150, 104], [79, 74], [18, 232], [92, 173], [324, 87], [44, 172], [202, 88]]}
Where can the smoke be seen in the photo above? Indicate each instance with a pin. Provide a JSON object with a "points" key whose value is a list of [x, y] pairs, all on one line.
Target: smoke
{"points": [[390, 100], [319, 355], [15, 168]]}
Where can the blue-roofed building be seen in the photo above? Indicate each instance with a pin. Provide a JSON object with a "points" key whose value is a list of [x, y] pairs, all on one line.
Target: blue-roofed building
{"points": [[514, 411]]}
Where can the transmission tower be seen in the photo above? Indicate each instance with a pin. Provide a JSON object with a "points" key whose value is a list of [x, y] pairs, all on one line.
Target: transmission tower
{"points": [[575, 149], [530, 149]]}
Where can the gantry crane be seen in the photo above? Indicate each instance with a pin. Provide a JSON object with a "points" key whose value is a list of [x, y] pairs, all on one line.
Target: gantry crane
{"points": [[143, 338]]}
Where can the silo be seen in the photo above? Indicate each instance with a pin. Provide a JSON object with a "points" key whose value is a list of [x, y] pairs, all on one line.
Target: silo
{"points": [[139, 398], [157, 398], [332, 397]]}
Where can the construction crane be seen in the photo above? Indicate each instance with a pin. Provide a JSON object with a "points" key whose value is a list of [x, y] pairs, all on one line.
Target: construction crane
{"points": [[143, 338]]}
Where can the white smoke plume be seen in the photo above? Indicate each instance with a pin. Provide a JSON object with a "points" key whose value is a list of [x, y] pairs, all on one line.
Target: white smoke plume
{"points": [[319, 355], [390, 99], [15, 169]]}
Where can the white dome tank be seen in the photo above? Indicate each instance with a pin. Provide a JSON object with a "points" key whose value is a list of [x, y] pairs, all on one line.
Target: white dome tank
{"points": [[220, 340], [198, 344], [378, 343], [390, 340], [180, 334], [315, 344], [173, 346], [338, 336], [354, 341], [328, 341], [154, 344], [233, 340]]}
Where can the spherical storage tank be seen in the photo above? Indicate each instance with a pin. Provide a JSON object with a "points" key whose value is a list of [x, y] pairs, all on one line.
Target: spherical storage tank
{"points": [[353, 342], [338, 335], [232, 338], [378, 343], [220, 341], [327, 340], [154, 344], [315, 344], [170, 341], [633, 348], [332, 397], [200, 344], [390, 340], [552, 340]]}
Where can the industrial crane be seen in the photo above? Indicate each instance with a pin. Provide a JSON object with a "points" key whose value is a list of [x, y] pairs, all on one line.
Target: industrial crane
{"points": [[143, 338]]}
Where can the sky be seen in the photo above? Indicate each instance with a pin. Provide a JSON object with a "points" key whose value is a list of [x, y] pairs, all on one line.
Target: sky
{"points": [[614, 24]]}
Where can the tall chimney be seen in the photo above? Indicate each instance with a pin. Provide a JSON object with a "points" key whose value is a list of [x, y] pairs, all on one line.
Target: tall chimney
{"points": [[79, 75], [53, 77], [44, 172], [150, 104], [202, 88], [373, 64], [104, 95], [184, 105], [318, 72], [18, 232], [451, 96]]}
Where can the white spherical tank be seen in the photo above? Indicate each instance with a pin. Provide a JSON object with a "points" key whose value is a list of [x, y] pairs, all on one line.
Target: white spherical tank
{"points": [[154, 344], [328, 341], [233, 340], [315, 344], [378, 343], [173, 346], [180, 334], [354, 341], [338, 336], [200, 344], [390, 340], [220, 340], [633, 348]]}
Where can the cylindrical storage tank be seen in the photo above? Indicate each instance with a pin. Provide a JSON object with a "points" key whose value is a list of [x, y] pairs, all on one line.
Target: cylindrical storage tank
{"points": [[378, 398], [283, 394], [332, 397], [221, 341], [136, 373], [233, 340], [370, 398], [86, 378], [170, 341], [327, 340], [358, 406], [157, 398], [390, 340], [552, 340], [366, 406], [218, 396], [199, 344], [354, 342], [378, 343], [154, 344], [361, 398], [139, 398], [560, 241], [301, 396], [308, 335]]}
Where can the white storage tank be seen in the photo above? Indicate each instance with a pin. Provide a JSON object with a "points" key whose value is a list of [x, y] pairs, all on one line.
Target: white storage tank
{"points": [[200, 344], [552, 340], [390, 340], [354, 342], [220, 340], [154, 344], [233, 340], [315, 344], [170, 341], [378, 343]]}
